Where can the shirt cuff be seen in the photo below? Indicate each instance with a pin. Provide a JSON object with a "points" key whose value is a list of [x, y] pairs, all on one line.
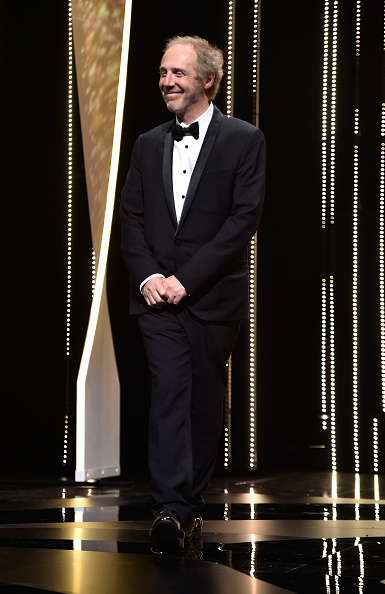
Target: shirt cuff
{"points": [[148, 278]]}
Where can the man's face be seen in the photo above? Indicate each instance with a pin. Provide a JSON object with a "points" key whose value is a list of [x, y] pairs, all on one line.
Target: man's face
{"points": [[182, 91]]}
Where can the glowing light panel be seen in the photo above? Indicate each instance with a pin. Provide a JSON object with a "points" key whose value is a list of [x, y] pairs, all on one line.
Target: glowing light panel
{"points": [[103, 222]]}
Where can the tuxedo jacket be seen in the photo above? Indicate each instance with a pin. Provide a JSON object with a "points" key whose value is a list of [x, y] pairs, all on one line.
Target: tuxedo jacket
{"points": [[207, 250]]}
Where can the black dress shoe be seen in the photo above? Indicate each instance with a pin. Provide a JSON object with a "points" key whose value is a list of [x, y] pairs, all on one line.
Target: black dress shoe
{"points": [[166, 532]]}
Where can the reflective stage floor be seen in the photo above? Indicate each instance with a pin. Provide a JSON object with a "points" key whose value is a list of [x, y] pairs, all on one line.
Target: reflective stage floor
{"points": [[262, 534]]}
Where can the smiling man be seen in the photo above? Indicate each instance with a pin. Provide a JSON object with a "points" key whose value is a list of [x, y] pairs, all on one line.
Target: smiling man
{"points": [[190, 206]]}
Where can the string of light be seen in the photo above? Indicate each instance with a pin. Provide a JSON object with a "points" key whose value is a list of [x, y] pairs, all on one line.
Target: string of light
{"points": [[324, 407], [255, 54], [93, 271], [375, 458], [355, 362], [382, 231], [324, 195], [333, 109], [69, 223], [332, 367], [328, 167], [382, 250], [324, 144], [229, 113], [253, 259], [230, 58]]}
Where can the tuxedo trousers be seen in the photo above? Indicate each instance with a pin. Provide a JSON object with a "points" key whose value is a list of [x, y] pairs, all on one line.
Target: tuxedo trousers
{"points": [[187, 359]]}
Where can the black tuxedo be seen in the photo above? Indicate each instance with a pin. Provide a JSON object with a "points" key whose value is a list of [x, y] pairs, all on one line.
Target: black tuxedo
{"points": [[188, 345], [207, 250]]}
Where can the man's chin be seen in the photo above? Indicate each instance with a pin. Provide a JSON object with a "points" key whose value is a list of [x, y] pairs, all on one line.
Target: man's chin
{"points": [[171, 107]]}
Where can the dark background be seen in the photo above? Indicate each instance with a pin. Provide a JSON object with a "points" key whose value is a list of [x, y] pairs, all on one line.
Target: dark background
{"points": [[39, 380]]}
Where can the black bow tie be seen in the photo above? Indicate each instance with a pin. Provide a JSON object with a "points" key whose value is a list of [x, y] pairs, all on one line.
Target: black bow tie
{"points": [[178, 131]]}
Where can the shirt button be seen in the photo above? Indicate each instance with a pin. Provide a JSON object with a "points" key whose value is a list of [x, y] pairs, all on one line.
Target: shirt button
{"points": [[184, 171], [183, 197]]}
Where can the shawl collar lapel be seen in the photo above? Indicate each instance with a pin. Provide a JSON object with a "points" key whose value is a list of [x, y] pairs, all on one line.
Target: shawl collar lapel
{"points": [[167, 175], [208, 142]]}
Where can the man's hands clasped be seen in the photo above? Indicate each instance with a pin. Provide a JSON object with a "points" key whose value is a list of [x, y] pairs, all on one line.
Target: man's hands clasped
{"points": [[159, 291]]}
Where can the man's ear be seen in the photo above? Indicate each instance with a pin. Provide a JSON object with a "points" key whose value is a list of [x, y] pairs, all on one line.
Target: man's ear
{"points": [[209, 81]]}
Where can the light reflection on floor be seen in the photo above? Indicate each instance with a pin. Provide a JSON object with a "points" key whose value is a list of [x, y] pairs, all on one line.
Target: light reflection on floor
{"points": [[293, 532]]}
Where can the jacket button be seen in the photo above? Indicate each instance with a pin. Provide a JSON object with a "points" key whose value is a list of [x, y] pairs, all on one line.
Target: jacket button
{"points": [[178, 242]]}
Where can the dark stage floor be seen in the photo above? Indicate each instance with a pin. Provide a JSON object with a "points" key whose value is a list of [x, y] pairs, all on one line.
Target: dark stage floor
{"points": [[262, 535]]}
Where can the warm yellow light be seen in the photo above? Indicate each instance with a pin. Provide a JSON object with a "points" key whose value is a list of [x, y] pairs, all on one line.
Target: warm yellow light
{"points": [[105, 241], [355, 310], [230, 58], [324, 355], [382, 249], [333, 438]]}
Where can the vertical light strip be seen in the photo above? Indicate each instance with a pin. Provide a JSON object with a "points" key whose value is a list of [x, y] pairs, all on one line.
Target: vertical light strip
{"points": [[256, 61], [357, 485], [333, 441], [355, 313], [226, 510], [334, 485], [333, 108], [93, 273], [227, 418], [69, 175], [252, 504], [253, 556], [362, 568], [229, 112], [382, 229], [375, 459], [69, 226], [355, 362], [382, 247], [230, 59], [324, 193], [328, 165], [382, 242], [339, 565], [324, 409], [252, 356], [324, 136], [253, 259]]}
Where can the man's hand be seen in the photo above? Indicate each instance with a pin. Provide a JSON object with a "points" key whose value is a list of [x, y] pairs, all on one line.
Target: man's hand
{"points": [[155, 292], [174, 290]]}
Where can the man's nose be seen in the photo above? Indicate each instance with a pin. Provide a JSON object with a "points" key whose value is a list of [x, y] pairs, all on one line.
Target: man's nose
{"points": [[168, 80]]}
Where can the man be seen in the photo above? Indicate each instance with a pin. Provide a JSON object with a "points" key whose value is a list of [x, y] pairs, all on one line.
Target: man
{"points": [[190, 206]]}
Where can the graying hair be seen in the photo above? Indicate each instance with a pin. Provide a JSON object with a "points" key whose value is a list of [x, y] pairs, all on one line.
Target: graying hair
{"points": [[209, 59]]}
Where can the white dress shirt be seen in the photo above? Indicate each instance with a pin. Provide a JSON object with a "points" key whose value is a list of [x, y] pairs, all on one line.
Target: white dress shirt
{"points": [[185, 155]]}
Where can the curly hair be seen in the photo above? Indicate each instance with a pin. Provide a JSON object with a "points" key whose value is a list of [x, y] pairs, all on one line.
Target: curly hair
{"points": [[209, 59]]}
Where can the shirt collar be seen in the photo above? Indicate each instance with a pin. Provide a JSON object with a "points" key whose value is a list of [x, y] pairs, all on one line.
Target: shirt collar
{"points": [[203, 119]]}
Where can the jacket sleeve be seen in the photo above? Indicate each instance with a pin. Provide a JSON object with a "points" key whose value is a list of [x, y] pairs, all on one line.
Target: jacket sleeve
{"points": [[135, 251]]}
